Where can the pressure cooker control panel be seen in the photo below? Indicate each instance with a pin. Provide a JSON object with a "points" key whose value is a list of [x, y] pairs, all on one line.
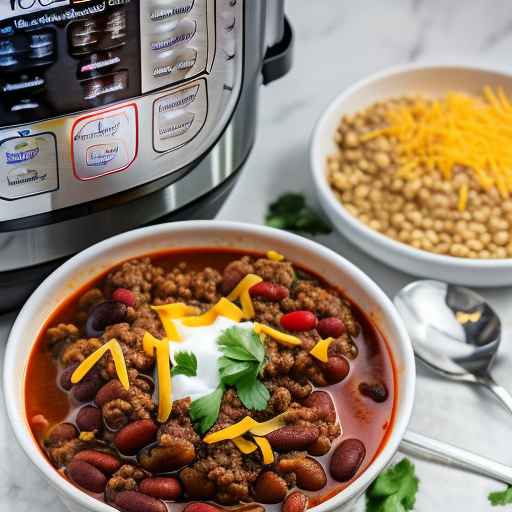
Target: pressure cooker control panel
{"points": [[98, 97]]}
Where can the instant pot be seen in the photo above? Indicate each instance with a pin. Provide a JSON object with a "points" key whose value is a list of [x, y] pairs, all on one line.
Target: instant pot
{"points": [[119, 113]]}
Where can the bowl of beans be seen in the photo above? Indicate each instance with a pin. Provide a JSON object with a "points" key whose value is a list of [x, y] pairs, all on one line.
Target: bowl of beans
{"points": [[205, 367], [413, 166]]}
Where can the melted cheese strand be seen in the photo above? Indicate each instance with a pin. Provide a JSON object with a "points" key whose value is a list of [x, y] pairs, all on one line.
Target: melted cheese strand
{"points": [[280, 337], [116, 351], [241, 291], [244, 445], [170, 312], [265, 448], [223, 308]]}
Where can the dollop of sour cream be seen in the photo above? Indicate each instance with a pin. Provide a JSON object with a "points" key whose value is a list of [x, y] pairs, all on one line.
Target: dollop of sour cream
{"points": [[202, 342]]}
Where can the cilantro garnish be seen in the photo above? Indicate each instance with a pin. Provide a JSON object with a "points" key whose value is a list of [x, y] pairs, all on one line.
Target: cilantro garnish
{"points": [[291, 212], [501, 497], [186, 364], [240, 366], [394, 490]]}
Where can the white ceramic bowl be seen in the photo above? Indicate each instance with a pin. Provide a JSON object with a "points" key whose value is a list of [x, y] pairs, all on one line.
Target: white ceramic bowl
{"points": [[432, 81], [80, 269]]}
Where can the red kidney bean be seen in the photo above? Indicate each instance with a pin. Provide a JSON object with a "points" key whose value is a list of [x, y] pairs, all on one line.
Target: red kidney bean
{"points": [[270, 291], [65, 377], [346, 460], [125, 296], [105, 462], [331, 327], [86, 389], [200, 507], [133, 501], [336, 369], [62, 432], [376, 391], [130, 439], [103, 314], [309, 473], [293, 438], [322, 402], [270, 488], [196, 484], [87, 476], [112, 390], [295, 502], [165, 488], [299, 321], [89, 419]]}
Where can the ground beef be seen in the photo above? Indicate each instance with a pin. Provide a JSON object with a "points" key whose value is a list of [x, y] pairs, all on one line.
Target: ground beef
{"points": [[280, 360], [89, 299], [61, 335], [126, 478], [299, 389], [279, 272], [77, 351], [234, 272], [179, 425]]}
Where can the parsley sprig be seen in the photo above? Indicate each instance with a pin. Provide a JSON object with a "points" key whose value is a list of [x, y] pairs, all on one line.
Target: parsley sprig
{"points": [[394, 490], [240, 366], [500, 498], [186, 364], [291, 212]]}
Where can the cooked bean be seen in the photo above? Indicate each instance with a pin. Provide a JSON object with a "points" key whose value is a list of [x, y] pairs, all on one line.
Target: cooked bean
{"points": [[165, 488], [336, 369], [200, 507], [89, 419], [322, 402], [320, 447], [132, 438], [196, 485], [103, 314], [87, 476], [161, 459], [347, 459], [309, 473], [270, 291], [270, 488], [86, 389], [125, 296], [112, 390], [299, 321], [62, 432], [295, 502], [293, 437], [377, 391], [133, 501], [65, 377], [331, 327], [105, 462]]}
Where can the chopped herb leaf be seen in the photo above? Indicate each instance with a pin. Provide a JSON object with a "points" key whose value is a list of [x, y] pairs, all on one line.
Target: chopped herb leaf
{"points": [[291, 212], [252, 393], [394, 490], [186, 364], [242, 341], [205, 410], [501, 497]]}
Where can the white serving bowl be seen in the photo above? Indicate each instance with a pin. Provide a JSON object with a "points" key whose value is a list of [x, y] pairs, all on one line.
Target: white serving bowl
{"points": [[81, 269], [432, 81]]}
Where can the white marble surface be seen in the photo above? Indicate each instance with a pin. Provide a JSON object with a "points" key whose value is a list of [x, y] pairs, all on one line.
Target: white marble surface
{"points": [[338, 42]]}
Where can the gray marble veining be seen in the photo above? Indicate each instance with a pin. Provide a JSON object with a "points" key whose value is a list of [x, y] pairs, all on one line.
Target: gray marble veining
{"points": [[337, 43]]}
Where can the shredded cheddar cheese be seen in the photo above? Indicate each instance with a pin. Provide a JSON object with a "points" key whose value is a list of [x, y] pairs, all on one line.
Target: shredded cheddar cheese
{"points": [[244, 445], [241, 291], [231, 432], [321, 350], [457, 130], [280, 337], [265, 448], [116, 351], [275, 256], [223, 308], [170, 312], [150, 344], [264, 428]]}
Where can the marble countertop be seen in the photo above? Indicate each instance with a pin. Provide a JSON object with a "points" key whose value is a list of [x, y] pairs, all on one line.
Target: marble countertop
{"points": [[337, 43]]}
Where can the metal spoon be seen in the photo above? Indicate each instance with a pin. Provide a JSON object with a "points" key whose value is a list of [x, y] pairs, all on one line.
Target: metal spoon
{"points": [[454, 332]]}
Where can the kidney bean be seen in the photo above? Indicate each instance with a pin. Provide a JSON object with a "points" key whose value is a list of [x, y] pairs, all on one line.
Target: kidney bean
{"points": [[161, 459], [165, 488], [309, 473], [65, 377], [270, 488], [200, 507], [331, 327], [105, 462], [132, 438], [196, 485], [89, 419], [295, 502], [86, 389], [293, 438], [320, 447], [103, 314], [125, 296], [112, 390], [299, 321], [336, 369], [133, 501], [376, 391], [270, 291], [346, 460], [87, 476], [322, 402], [62, 432]]}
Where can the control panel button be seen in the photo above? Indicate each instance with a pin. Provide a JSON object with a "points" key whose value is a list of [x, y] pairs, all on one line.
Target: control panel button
{"points": [[104, 142], [28, 166], [178, 116]]}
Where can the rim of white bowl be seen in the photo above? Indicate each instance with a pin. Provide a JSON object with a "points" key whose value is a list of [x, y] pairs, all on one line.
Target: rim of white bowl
{"points": [[319, 168], [407, 374]]}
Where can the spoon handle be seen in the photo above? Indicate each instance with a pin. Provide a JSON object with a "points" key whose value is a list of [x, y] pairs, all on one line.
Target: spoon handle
{"points": [[499, 391], [436, 451]]}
